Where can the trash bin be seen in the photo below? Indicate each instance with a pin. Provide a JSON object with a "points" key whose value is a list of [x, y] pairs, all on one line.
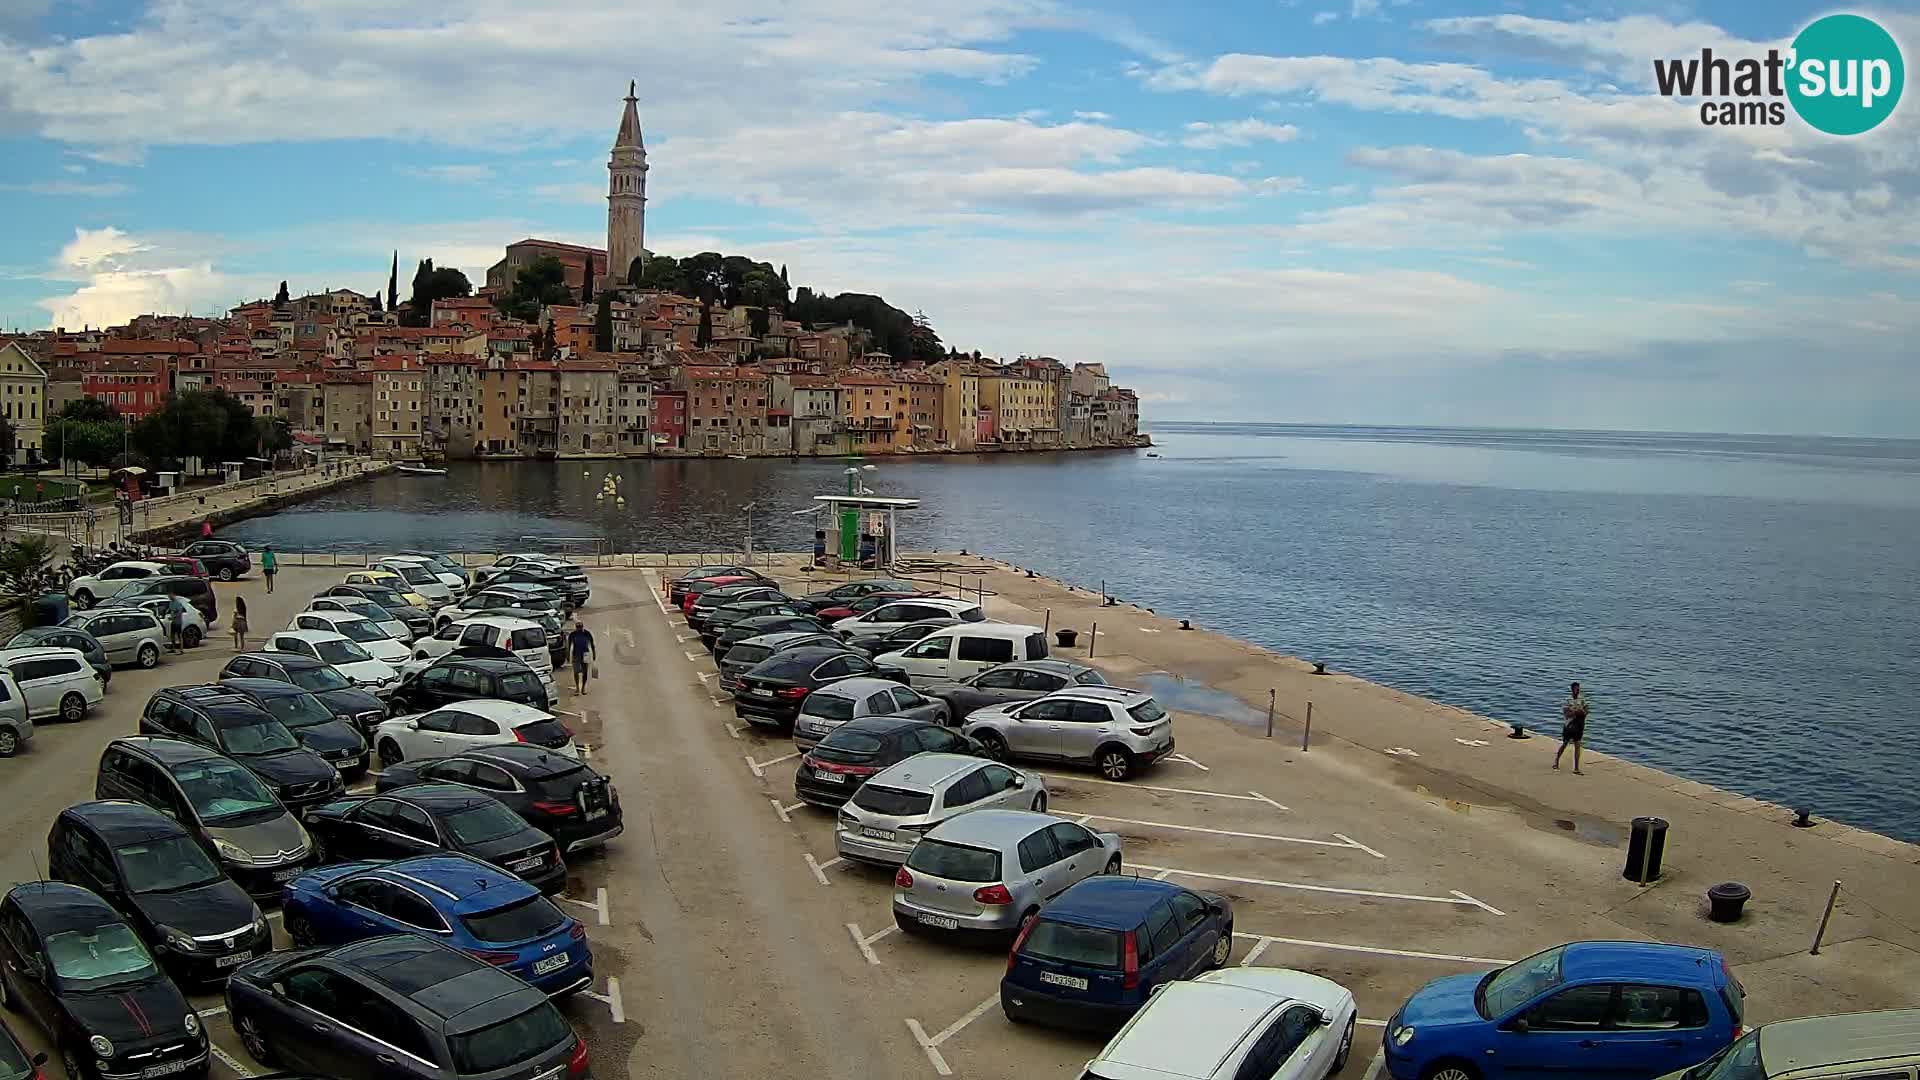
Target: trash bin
{"points": [[50, 609], [1726, 900], [1645, 848], [1065, 638]]}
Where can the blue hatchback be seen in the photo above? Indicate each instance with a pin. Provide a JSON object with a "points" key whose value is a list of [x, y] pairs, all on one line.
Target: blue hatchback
{"points": [[476, 908], [1590, 1010], [1092, 956]]}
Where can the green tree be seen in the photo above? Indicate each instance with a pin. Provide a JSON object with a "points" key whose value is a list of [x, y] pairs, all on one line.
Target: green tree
{"points": [[280, 299], [92, 410], [603, 324], [273, 434], [9, 440], [93, 443], [586, 285], [393, 282], [429, 285], [922, 342], [662, 272], [636, 270], [539, 283]]}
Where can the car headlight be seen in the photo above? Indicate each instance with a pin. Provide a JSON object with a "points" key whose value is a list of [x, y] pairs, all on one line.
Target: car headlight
{"points": [[232, 852], [306, 841], [177, 940], [1402, 1035], [101, 1045], [259, 922], [193, 1022]]}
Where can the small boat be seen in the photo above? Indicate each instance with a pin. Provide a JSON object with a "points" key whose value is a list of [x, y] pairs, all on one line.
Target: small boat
{"points": [[419, 470], [738, 457], [1152, 454]]}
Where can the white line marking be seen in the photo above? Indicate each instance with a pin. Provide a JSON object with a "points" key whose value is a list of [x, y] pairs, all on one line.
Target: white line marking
{"points": [[565, 712], [1337, 946], [230, 1061], [1401, 751], [781, 811], [214, 1010], [683, 638], [933, 1053], [270, 916], [703, 676], [819, 869], [878, 934], [1148, 630], [759, 767], [1374, 1066], [958, 1025], [1252, 796], [717, 703], [1456, 898], [1470, 742], [598, 906], [1364, 1022], [733, 730], [586, 749], [695, 657], [1269, 802], [1162, 875], [658, 600], [611, 999], [627, 633], [862, 943], [1189, 761], [1226, 832], [1253, 954], [1359, 845]]}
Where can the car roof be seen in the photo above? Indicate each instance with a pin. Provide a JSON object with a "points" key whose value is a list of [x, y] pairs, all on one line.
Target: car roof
{"points": [[1627, 960], [53, 906], [990, 828], [946, 602], [284, 659], [330, 616], [219, 700], [506, 712], [881, 725], [120, 819], [467, 884], [484, 663], [812, 654], [924, 772], [1066, 668], [780, 637], [166, 751], [148, 564], [403, 558], [443, 796], [1814, 1042], [534, 762], [1118, 695], [1108, 902], [115, 607], [443, 981], [859, 686], [39, 652], [1191, 1027], [504, 622], [253, 687]]}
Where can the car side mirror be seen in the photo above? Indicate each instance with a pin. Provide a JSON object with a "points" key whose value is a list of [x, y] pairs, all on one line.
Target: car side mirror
{"points": [[413, 725], [1520, 1025], [1326, 1019], [279, 990], [1019, 782], [41, 1059]]}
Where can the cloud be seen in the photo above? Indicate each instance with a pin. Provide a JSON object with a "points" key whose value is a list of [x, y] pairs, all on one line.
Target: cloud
{"points": [[70, 187], [1322, 18], [1365, 8], [451, 174], [118, 276], [1202, 135], [1095, 117]]}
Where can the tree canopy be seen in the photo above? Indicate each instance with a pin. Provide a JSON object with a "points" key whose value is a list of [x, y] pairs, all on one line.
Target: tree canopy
{"points": [[211, 425], [539, 283], [92, 410], [891, 328], [429, 285]]}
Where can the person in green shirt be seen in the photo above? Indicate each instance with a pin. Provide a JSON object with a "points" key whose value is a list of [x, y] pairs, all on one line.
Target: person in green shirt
{"points": [[269, 565]]}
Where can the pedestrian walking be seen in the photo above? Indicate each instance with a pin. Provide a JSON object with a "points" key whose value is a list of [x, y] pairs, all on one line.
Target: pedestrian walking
{"points": [[580, 643], [206, 527], [269, 565], [1573, 726], [176, 622], [239, 624]]}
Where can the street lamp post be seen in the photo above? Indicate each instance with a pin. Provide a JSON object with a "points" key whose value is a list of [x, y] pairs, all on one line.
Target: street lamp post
{"points": [[749, 509]]}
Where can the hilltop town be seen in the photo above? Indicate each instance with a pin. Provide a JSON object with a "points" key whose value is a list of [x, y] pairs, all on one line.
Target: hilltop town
{"points": [[574, 351]]}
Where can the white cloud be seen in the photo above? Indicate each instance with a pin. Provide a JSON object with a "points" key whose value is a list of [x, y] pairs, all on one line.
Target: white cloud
{"points": [[451, 174], [1322, 18], [1364, 8], [119, 276], [70, 187], [1202, 135], [1095, 117]]}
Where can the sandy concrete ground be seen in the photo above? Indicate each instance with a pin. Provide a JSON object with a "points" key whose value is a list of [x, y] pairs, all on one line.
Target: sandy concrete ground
{"points": [[729, 941]]}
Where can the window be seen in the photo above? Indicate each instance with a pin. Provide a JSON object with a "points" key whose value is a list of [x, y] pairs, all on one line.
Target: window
{"points": [[1189, 909], [1048, 709], [936, 740], [451, 771], [330, 994], [904, 699], [1577, 1008], [1003, 679], [438, 721], [467, 680], [879, 704], [1658, 1008], [1071, 839], [968, 789], [408, 907], [1162, 931], [1038, 850], [493, 778], [933, 648]]}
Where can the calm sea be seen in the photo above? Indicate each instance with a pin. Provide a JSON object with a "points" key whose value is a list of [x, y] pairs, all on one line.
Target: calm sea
{"points": [[1741, 608]]}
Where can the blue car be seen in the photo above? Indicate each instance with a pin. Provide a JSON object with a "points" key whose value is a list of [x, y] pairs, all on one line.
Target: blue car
{"points": [[1590, 1010], [1092, 956], [462, 902]]}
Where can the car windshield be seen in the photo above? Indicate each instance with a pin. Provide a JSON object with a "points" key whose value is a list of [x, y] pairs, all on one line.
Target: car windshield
{"points": [[893, 802], [506, 1044], [527, 638], [828, 707], [297, 711], [168, 864], [359, 630], [417, 575], [956, 862], [1148, 712], [1072, 944], [1516, 984], [522, 686], [263, 736], [318, 679], [519, 921], [1090, 677], [1740, 1061], [483, 822], [99, 957], [221, 790], [748, 654], [386, 598], [341, 652], [368, 610]]}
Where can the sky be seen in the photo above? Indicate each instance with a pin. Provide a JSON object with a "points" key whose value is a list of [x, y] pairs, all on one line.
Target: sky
{"points": [[1460, 212]]}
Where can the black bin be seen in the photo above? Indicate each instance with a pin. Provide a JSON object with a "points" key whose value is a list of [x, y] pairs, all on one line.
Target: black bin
{"points": [[1645, 848], [1066, 638], [50, 609]]}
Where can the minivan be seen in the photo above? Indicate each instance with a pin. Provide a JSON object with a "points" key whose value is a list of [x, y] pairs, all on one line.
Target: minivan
{"points": [[16, 730], [1842, 1046], [966, 650], [54, 682], [128, 635], [491, 635]]}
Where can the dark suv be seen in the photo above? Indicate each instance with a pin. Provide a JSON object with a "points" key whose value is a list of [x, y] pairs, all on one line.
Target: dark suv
{"points": [[336, 738], [230, 722], [463, 678], [558, 795], [335, 691], [401, 1007], [194, 590], [223, 559], [771, 691]]}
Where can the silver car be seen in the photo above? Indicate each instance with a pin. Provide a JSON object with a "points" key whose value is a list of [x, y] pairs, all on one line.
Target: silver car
{"points": [[836, 703], [192, 632], [990, 871], [128, 635], [1119, 731], [894, 809]]}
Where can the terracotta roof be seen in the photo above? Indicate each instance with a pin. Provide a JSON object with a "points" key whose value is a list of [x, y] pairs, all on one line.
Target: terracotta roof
{"points": [[393, 363], [130, 347]]}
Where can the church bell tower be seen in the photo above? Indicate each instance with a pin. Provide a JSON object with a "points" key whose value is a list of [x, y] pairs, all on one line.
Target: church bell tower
{"points": [[627, 197]]}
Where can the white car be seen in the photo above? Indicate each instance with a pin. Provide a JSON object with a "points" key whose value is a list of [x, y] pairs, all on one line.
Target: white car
{"points": [[358, 629], [367, 610], [1235, 1023], [452, 729], [890, 617], [83, 591], [524, 639], [421, 576], [338, 650], [55, 682], [440, 565]]}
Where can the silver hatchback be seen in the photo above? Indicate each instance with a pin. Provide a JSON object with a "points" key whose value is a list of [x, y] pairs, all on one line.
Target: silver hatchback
{"points": [[899, 804], [1118, 731], [990, 871], [849, 699]]}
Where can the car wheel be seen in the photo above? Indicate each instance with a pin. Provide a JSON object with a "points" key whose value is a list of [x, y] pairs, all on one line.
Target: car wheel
{"points": [[390, 753], [1113, 865], [73, 707], [148, 656], [253, 1038], [1040, 803], [9, 742], [299, 930], [1115, 763], [71, 1062], [1223, 949], [994, 745], [1450, 1070], [1346, 1048], [191, 637], [83, 599], [226, 573]]}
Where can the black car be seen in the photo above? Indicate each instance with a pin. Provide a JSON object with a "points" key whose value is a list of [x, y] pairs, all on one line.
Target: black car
{"points": [[67, 637], [756, 625], [192, 916], [224, 720], [318, 728], [400, 1007], [1022, 680], [835, 768], [726, 615], [221, 558], [462, 678], [337, 692], [677, 590], [15, 1062], [193, 590], [574, 589], [71, 962], [898, 638], [847, 592], [742, 656], [558, 795], [428, 818], [418, 621], [714, 599], [771, 691]]}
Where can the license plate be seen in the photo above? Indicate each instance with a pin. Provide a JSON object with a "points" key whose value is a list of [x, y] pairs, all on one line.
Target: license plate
{"points": [[551, 964], [878, 834], [171, 1068], [287, 874], [758, 692], [826, 777], [525, 864], [939, 921], [595, 815], [1071, 982], [233, 961]]}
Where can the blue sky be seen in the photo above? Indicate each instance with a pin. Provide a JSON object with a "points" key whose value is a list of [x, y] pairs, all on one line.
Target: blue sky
{"points": [[1374, 211]]}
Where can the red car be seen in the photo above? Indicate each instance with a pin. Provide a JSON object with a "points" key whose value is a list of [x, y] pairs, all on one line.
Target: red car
{"points": [[182, 564], [828, 615], [698, 588]]}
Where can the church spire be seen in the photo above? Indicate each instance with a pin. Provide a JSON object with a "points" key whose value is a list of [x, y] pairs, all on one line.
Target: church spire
{"points": [[629, 134], [626, 198]]}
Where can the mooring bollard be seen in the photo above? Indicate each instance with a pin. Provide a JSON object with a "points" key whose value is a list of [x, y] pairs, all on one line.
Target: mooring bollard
{"points": [[1824, 916]]}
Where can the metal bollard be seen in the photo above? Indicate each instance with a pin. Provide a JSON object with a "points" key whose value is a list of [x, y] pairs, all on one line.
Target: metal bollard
{"points": [[1092, 637], [1306, 734], [1824, 916]]}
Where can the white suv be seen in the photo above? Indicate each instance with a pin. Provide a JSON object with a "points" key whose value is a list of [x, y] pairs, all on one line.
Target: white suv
{"points": [[54, 682], [362, 631], [346, 657], [83, 591], [1117, 730], [890, 617], [524, 639], [464, 725], [420, 576]]}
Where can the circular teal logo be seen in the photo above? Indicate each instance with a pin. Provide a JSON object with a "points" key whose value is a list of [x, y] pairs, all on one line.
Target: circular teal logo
{"points": [[1847, 74]]}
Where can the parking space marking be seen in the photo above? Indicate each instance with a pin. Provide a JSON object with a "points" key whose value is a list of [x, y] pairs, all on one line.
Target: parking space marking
{"points": [[1251, 796], [717, 702], [598, 906], [683, 638], [611, 999], [566, 712], [1456, 897], [1374, 1066], [229, 1061], [931, 1044], [732, 729], [1184, 759], [1359, 845], [1262, 941], [1341, 843], [864, 942], [785, 813], [759, 767], [696, 657], [214, 1010], [820, 868], [658, 600], [703, 676]]}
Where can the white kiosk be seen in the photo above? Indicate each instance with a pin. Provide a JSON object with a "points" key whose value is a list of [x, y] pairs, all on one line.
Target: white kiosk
{"points": [[857, 530]]}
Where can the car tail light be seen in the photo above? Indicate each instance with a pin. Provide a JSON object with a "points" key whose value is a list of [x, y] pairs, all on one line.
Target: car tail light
{"points": [[902, 879], [498, 959], [557, 809], [578, 931], [993, 894], [794, 693], [1130, 962], [1025, 929], [577, 1064], [1142, 730]]}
